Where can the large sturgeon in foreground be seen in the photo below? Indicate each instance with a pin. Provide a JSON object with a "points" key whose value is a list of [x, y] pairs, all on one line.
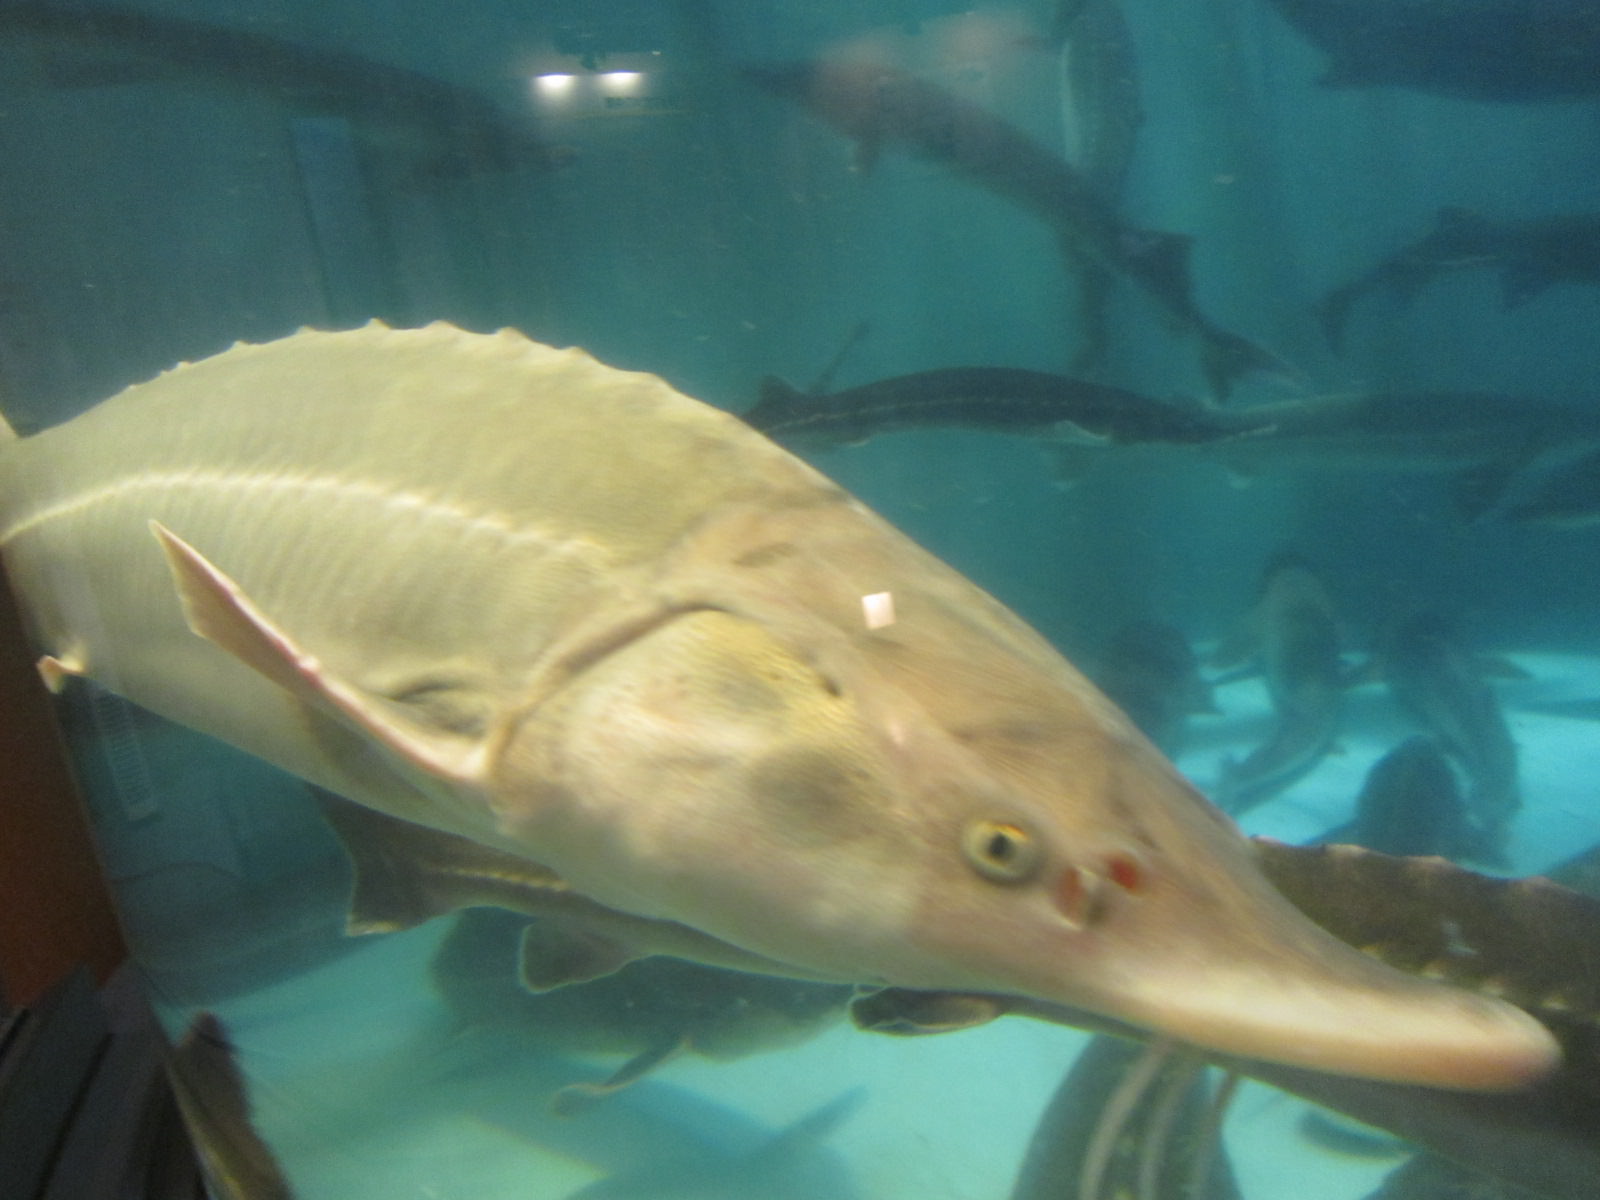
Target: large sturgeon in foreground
{"points": [[568, 614]]}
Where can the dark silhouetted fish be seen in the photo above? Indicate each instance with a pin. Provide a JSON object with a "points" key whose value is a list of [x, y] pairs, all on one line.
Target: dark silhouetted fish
{"points": [[1433, 1177], [1508, 50], [1565, 497], [991, 399], [211, 1093], [879, 106], [1102, 114], [1293, 632], [1481, 439], [1150, 672], [455, 130], [1530, 256], [648, 1011], [1443, 685], [1411, 803], [1102, 85], [1129, 1120], [1532, 941]]}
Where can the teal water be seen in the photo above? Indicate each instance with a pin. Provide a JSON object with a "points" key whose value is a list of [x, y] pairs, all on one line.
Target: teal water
{"points": [[170, 188]]}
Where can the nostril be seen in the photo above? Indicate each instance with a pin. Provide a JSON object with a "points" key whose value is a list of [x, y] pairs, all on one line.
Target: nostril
{"points": [[1124, 871], [1078, 897]]}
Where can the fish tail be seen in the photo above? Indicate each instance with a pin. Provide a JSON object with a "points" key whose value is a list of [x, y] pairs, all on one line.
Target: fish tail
{"points": [[1227, 357]]}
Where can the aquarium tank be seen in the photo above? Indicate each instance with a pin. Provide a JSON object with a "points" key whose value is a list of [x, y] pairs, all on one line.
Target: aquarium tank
{"points": [[522, 773]]}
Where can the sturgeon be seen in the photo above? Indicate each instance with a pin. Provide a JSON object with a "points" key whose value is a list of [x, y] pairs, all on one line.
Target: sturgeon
{"points": [[879, 106], [453, 130], [1531, 255], [1293, 632], [1010, 400], [567, 613]]}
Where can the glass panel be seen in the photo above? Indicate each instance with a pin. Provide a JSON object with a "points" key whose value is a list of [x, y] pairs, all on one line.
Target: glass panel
{"points": [[1240, 347]]}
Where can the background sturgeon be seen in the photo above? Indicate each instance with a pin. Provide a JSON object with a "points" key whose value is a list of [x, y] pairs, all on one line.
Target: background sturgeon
{"points": [[1293, 632], [566, 612], [992, 399], [880, 106]]}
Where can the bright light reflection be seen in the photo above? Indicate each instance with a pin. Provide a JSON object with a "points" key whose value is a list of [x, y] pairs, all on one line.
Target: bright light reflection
{"points": [[619, 82], [554, 85], [877, 610]]}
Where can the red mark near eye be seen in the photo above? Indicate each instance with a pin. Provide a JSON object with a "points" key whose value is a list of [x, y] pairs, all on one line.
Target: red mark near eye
{"points": [[1125, 873]]}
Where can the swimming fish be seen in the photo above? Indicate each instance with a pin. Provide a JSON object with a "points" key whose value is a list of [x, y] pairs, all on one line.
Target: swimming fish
{"points": [[647, 1012], [1434, 1177], [1149, 671], [1101, 115], [1102, 110], [1530, 255], [211, 1092], [1444, 686], [990, 399], [1130, 1120], [1505, 50], [1411, 803], [879, 106], [1531, 940], [455, 129], [567, 614], [1480, 439], [1293, 632]]}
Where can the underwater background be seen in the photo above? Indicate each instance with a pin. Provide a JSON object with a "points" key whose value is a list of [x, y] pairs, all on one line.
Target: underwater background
{"points": [[623, 176]]}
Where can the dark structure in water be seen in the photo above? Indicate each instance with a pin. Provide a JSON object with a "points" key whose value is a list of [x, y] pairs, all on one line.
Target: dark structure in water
{"points": [[1507, 50], [1532, 940], [1444, 686], [1411, 803], [1529, 255], [454, 130], [1293, 634], [987, 399], [1129, 1120], [879, 106]]}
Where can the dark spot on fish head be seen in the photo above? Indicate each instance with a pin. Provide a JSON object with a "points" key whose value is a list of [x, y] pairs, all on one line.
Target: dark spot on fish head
{"points": [[762, 556], [822, 794]]}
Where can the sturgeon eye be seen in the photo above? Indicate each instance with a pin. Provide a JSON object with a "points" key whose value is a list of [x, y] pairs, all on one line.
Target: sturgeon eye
{"points": [[1000, 851]]}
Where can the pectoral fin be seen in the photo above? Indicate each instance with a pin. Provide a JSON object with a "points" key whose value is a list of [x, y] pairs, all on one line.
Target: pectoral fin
{"points": [[220, 611], [406, 874], [575, 1097], [555, 956], [903, 1012]]}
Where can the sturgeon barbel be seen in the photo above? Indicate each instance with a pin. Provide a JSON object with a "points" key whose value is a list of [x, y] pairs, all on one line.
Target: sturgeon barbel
{"points": [[567, 613]]}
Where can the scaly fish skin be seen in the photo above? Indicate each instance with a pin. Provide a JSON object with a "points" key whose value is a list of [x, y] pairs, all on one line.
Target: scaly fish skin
{"points": [[562, 611]]}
